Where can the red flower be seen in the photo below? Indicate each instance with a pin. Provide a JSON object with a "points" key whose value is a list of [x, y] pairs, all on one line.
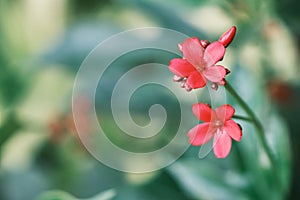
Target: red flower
{"points": [[198, 64], [217, 125]]}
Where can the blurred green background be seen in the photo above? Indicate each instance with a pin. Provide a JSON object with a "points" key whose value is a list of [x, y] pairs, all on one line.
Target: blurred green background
{"points": [[43, 43]]}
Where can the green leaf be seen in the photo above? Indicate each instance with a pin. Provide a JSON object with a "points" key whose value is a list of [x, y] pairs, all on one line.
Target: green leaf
{"points": [[61, 195], [56, 195], [203, 180]]}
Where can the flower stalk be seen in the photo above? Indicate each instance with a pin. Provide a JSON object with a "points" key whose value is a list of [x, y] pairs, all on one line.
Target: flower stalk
{"points": [[244, 118], [259, 127]]}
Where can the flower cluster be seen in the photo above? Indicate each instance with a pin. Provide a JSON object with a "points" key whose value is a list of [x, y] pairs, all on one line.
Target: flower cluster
{"points": [[198, 66]]}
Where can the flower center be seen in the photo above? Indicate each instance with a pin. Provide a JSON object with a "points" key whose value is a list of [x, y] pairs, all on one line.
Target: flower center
{"points": [[218, 123], [199, 68]]}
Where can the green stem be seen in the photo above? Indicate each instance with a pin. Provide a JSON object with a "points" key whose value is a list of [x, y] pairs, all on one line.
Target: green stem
{"points": [[242, 118], [257, 124]]}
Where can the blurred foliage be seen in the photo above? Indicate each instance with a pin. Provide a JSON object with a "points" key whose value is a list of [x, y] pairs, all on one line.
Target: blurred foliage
{"points": [[288, 10], [42, 46], [60, 195], [78, 7]]}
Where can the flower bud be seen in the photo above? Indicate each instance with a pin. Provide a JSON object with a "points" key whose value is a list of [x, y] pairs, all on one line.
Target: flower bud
{"points": [[187, 87], [214, 86], [222, 82], [180, 47], [182, 84], [204, 43], [227, 71], [228, 36], [177, 78]]}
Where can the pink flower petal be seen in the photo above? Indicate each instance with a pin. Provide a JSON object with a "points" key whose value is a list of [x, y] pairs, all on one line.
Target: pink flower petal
{"points": [[233, 130], [214, 52], [222, 145], [200, 134], [228, 36], [224, 112], [215, 73], [193, 51], [196, 80], [203, 112], [222, 82], [181, 67]]}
